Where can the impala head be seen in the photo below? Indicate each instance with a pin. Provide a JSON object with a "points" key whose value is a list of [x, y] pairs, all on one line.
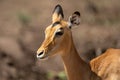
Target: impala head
{"points": [[58, 35]]}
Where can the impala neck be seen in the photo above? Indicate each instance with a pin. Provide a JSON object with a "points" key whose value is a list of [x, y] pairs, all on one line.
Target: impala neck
{"points": [[75, 67]]}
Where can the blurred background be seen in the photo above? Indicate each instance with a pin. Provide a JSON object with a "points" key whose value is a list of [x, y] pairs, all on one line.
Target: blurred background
{"points": [[22, 25]]}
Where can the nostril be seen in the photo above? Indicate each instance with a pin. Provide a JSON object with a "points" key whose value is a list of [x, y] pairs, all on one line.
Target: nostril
{"points": [[41, 53]]}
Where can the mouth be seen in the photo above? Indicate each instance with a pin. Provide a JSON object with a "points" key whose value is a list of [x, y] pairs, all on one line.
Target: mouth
{"points": [[44, 57]]}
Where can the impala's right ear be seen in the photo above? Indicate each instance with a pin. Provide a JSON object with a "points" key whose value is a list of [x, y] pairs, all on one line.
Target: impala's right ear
{"points": [[74, 19], [57, 14]]}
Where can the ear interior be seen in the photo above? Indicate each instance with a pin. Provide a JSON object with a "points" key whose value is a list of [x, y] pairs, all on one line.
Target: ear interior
{"points": [[74, 19], [57, 13]]}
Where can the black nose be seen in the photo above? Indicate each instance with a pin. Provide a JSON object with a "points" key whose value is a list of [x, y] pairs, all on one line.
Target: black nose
{"points": [[40, 54]]}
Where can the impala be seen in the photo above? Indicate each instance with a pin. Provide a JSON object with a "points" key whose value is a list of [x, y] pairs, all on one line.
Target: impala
{"points": [[58, 40]]}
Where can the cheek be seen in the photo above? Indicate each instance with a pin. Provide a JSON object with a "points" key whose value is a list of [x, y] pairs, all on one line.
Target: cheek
{"points": [[58, 41], [56, 46]]}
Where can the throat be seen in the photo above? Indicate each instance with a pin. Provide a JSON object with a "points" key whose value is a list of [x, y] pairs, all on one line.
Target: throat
{"points": [[75, 67]]}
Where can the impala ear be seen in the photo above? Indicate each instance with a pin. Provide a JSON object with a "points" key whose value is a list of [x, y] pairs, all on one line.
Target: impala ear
{"points": [[74, 19], [57, 14]]}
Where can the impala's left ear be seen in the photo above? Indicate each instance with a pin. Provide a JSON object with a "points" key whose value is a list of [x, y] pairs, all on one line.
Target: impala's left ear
{"points": [[74, 19]]}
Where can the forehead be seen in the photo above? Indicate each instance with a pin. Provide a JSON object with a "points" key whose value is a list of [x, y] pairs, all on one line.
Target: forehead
{"points": [[53, 27], [57, 24]]}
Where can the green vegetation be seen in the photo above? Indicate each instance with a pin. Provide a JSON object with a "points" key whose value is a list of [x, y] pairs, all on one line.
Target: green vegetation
{"points": [[24, 18], [60, 75]]}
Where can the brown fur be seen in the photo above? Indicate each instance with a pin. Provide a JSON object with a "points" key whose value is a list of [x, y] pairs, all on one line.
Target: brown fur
{"points": [[107, 66]]}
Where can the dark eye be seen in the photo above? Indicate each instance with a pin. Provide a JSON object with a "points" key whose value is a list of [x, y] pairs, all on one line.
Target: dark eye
{"points": [[59, 32]]}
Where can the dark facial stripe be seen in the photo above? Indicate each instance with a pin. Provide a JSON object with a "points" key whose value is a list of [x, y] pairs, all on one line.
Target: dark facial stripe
{"points": [[56, 23]]}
